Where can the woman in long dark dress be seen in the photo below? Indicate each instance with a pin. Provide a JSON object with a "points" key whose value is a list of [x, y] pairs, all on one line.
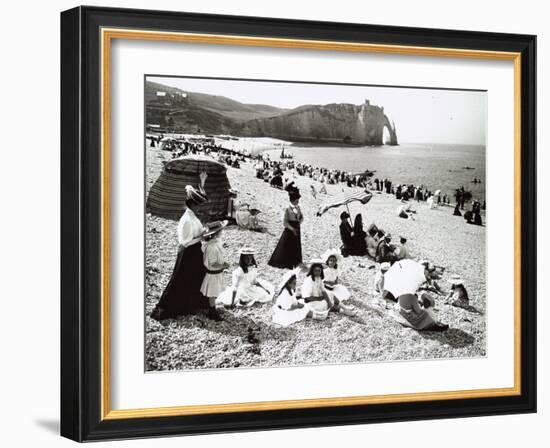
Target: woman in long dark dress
{"points": [[288, 253], [346, 234], [359, 235], [182, 293]]}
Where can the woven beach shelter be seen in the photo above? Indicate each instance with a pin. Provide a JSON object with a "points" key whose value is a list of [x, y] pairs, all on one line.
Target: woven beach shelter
{"points": [[167, 195]]}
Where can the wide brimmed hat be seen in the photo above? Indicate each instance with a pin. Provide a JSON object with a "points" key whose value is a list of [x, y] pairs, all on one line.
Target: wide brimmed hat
{"points": [[318, 261], [332, 253], [214, 227], [195, 195], [455, 279], [247, 251], [286, 278]]}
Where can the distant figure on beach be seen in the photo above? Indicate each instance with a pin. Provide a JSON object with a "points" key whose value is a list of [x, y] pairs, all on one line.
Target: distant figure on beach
{"points": [[288, 253], [182, 294], [313, 192], [476, 210], [457, 210], [152, 144]]}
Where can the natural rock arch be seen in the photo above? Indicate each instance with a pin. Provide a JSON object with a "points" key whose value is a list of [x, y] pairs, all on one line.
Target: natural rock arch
{"points": [[391, 129]]}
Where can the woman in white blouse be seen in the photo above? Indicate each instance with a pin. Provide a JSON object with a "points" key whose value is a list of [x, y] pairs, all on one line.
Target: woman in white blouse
{"points": [[182, 293]]}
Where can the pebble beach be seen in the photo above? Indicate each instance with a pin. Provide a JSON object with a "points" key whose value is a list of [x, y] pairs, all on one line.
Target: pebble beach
{"points": [[247, 337]]}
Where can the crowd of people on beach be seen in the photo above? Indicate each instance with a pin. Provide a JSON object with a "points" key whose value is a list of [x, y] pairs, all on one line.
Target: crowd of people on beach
{"points": [[198, 281], [276, 172]]}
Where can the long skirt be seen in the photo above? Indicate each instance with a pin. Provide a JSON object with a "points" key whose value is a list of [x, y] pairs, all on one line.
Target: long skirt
{"points": [[284, 318], [182, 293], [247, 295], [406, 316], [339, 291], [288, 253]]}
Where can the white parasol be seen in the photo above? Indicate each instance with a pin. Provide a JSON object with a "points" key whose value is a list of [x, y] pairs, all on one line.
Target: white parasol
{"points": [[404, 277]]}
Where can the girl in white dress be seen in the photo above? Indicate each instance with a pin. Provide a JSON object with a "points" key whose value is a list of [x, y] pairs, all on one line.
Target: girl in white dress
{"points": [[315, 294], [288, 309], [246, 288], [331, 258], [214, 263]]}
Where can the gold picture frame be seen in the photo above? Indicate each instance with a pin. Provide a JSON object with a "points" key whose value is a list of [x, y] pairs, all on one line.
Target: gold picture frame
{"points": [[106, 33]]}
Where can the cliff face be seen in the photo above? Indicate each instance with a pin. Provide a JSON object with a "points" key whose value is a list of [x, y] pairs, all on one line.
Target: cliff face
{"points": [[344, 123]]}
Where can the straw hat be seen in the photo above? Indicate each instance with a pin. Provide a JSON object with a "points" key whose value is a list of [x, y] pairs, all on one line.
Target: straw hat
{"points": [[247, 251], [214, 227], [316, 261], [456, 279], [286, 278], [332, 253]]}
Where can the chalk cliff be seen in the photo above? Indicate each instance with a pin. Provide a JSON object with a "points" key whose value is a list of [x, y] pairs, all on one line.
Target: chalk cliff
{"points": [[345, 123]]}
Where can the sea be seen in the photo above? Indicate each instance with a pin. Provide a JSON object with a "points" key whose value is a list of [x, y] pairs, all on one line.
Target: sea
{"points": [[442, 167]]}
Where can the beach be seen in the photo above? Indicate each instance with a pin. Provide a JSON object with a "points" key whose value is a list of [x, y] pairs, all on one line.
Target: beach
{"points": [[247, 337]]}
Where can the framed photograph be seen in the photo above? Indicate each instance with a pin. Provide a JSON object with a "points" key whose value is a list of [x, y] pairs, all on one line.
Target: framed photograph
{"points": [[273, 224]]}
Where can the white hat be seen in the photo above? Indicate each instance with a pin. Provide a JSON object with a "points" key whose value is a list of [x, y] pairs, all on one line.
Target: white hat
{"points": [[214, 227], [247, 251], [316, 261], [455, 279], [332, 253], [286, 278]]}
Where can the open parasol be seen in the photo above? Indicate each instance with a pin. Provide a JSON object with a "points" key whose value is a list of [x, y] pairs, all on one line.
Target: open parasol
{"points": [[404, 277], [344, 199]]}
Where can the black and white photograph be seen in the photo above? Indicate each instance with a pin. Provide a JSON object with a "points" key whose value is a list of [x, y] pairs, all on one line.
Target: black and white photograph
{"points": [[292, 224]]}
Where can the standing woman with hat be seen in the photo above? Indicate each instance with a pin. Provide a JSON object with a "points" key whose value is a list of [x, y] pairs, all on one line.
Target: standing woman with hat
{"points": [[214, 264], [182, 293], [288, 253]]}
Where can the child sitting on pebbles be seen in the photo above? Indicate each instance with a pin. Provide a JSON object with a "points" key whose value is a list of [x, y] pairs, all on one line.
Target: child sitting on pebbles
{"points": [[246, 288], [316, 295], [458, 296], [288, 309], [332, 273]]}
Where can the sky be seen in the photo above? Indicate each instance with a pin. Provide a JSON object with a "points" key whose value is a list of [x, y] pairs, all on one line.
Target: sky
{"points": [[420, 115]]}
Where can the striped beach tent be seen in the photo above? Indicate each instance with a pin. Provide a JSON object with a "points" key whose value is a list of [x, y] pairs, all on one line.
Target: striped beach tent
{"points": [[167, 195], [344, 199]]}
